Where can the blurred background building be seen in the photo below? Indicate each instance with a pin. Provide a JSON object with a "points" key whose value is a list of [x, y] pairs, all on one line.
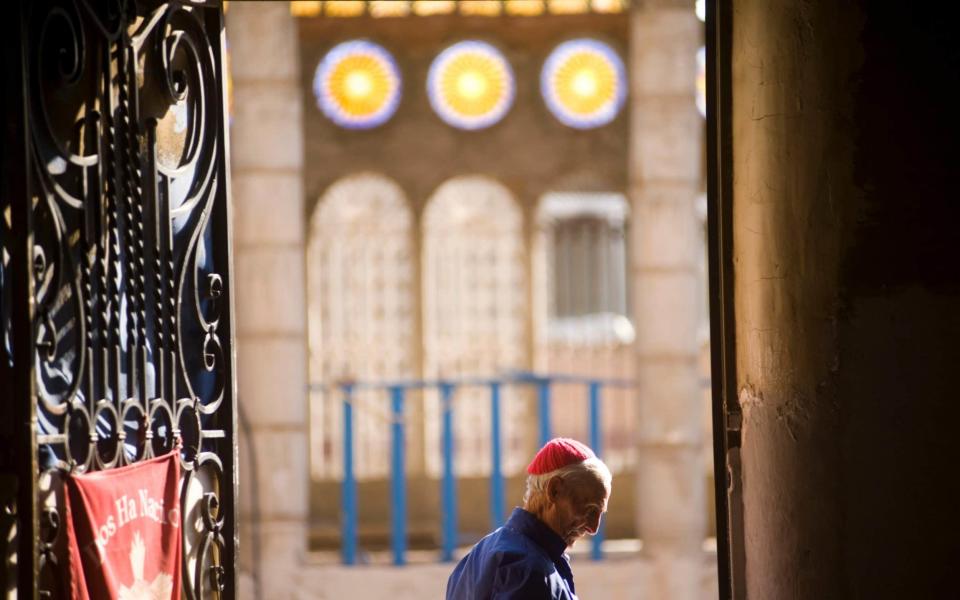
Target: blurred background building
{"points": [[434, 200]]}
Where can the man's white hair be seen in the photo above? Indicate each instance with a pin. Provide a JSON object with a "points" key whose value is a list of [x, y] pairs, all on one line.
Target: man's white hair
{"points": [[591, 470]]}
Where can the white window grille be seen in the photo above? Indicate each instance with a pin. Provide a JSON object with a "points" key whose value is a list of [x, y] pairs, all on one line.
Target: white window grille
{"points": [[581, 312], [475, 307], [583, 238], [360, 316]]}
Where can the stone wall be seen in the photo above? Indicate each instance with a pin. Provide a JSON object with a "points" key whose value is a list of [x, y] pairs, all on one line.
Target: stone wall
{"points": [[286, 154], [529, 151], [665, 182], [614, 579], [266, 161]]}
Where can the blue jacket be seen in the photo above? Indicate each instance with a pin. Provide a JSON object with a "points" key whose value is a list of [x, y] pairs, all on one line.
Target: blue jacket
{"points": [[523, 560]]}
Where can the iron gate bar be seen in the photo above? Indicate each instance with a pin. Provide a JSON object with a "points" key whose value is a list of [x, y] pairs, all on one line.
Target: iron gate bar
{"points": [[21, 456], [726, 413], [121, 321], [223, 254]]}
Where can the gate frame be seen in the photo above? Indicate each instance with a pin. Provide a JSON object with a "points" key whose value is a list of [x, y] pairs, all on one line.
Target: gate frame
{"points": [[19, 447]]}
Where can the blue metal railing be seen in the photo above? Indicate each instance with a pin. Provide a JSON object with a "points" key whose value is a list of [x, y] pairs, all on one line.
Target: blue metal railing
{"points": [[596, 442], [449, 506], [496, 472], [348, 496], [398, 479], [447, 387]]}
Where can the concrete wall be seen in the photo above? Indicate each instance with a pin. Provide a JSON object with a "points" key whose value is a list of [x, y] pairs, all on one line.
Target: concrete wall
{"points": [[846, 297]]}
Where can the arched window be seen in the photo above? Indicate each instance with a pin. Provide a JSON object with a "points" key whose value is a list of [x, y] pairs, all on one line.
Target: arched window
{"points": [[474, 294], [360, 315]]}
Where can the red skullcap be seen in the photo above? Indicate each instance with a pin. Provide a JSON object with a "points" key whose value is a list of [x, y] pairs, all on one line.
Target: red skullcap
{"points": [[558, 453]]}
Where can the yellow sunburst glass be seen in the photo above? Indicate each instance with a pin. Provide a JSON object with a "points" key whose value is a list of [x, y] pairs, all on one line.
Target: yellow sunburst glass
{"points": [[470, 85], [360, 85], [473, 84], [357, 85], [583, 83]]}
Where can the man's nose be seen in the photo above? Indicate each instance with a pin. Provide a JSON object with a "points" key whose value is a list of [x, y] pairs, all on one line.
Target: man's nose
{"points": [[593, 523]]}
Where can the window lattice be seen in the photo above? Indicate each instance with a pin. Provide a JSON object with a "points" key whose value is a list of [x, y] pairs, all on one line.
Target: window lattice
{"points": [[475, 301], [361, 325], [580, 269]]}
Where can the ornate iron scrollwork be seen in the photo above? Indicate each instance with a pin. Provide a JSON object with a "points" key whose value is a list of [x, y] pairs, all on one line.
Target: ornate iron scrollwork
{"points": [[127, 193]]}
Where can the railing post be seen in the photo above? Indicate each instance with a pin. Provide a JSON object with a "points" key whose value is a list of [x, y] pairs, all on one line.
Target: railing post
{"points": [[596, 442], [398, 484], [543, 398], [449, 507], [496, 474], [348, 489]]}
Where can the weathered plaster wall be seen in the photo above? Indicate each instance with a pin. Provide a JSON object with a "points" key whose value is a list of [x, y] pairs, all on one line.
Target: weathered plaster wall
{"points": [[846, 290], [791, 167]]}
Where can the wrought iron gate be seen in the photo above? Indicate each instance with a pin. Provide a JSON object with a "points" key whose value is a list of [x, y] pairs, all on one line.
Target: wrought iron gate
{"points": [[115, 287]]}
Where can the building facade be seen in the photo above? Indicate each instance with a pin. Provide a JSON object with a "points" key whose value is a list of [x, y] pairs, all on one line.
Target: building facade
{"points": [[475, 230]]}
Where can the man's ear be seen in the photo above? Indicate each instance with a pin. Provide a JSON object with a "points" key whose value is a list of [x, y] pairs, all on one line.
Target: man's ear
{"points": [[554, 489]]}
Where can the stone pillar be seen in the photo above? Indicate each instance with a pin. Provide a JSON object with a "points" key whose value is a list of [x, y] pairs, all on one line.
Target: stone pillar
{"points": [[846, 288], [266, 162], [665, 171]]}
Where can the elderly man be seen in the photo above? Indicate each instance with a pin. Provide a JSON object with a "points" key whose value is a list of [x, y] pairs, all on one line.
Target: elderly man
{"points": [[567, 492]]}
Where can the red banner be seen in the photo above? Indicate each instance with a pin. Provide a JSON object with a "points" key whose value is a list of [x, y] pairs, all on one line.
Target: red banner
{"points": [[123, 531]]}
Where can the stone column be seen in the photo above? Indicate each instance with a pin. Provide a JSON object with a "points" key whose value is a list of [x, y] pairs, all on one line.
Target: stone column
{"points": [[665, 155], [846, 287], [266, 163]]}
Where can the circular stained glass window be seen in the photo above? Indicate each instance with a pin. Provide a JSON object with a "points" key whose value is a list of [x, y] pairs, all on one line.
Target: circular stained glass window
{"points": [[357, 85], [583, 83], [470, 85]]}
